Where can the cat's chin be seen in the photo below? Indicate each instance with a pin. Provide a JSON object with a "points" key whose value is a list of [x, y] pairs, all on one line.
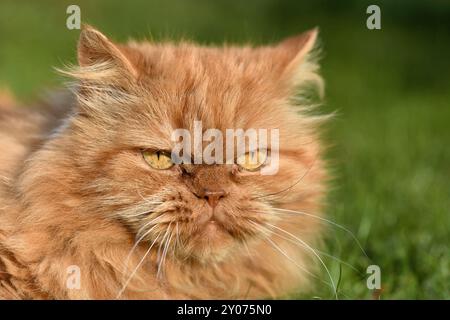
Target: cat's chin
{"points": [[212, 243], [213, 229]]}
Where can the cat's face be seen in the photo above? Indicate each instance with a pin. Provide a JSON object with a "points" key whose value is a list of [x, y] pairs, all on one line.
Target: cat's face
{"points": [[133, 97]]}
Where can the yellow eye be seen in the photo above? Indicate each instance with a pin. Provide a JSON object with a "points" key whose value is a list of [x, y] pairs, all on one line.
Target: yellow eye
{"points": [[252, 160], [158, 159]]}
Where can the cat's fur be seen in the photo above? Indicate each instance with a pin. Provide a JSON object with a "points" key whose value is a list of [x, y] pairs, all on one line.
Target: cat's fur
{"points": [[72, 178]]}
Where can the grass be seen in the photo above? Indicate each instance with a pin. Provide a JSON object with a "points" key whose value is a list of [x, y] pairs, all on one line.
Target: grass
{"points": [[391, 153]]}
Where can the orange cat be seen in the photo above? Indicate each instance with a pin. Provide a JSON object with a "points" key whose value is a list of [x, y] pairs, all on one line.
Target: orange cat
{"points": [[91, 206]]}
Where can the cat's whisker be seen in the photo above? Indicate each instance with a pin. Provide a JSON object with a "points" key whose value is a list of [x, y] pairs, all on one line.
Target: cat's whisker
{"points": [[313, 252], [177, 243], [146, 212], [337, 225], [161, 249], [137, 267], [267, 232], [291, 186], [154, 199], [133, 212], [152, 221], [166, 248], [134, 248], [140, 236], [136, 243], [146, 207], [323, 253]]}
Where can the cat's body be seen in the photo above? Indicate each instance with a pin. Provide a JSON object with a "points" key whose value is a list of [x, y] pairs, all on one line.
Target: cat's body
{"points": [[72, 183]]}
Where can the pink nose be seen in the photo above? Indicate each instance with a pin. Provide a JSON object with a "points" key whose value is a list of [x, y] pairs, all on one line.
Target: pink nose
{"points": [[213, 197]]}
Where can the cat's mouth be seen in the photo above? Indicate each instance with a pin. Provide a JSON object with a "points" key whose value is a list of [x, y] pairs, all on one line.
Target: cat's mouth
{"points": [[212, 218], [212, 226], [200, 232]]}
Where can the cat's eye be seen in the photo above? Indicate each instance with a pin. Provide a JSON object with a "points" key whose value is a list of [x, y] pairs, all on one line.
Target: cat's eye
{"points": [[252, 160], [160, 160]]}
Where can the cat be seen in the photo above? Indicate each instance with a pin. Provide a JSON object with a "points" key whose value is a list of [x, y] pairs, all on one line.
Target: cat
{"points": [[91, 206]]}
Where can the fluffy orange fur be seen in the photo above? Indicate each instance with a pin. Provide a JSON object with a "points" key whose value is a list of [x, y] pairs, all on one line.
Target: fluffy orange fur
{"points": [[75, 190]]}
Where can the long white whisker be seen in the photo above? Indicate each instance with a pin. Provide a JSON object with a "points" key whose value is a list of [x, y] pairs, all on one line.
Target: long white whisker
{"points": [[146, 212], [318, 251], [136, 244], [163, 242], [177, 238], [164, 255], [314, 252], [152, 221], [137, 267], [267, 232], [327, 221]]}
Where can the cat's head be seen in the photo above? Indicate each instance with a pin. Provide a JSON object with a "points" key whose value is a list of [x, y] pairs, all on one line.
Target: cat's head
{"points": [[131, 98]]}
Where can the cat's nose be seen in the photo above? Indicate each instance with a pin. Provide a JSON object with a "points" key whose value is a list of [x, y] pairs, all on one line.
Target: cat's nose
{"points": [[213, 196]]}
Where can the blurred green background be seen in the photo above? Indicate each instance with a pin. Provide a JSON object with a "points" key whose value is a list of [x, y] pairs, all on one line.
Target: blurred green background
{"points": [[390, 87]]}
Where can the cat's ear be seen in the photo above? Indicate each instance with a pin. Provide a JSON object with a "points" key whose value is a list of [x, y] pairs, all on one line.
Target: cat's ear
{"points": [[106, 75], [96, 50], [298, 57]]}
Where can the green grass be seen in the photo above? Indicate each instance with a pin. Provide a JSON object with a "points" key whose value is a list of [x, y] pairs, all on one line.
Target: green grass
{"points": [[391, 153]]}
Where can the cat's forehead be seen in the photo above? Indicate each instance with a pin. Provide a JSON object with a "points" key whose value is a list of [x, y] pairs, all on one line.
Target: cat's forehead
{"points": [[191, 68], [222, 87], [200, 60]]}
